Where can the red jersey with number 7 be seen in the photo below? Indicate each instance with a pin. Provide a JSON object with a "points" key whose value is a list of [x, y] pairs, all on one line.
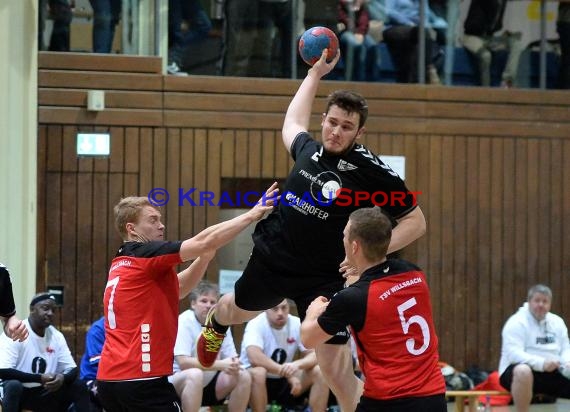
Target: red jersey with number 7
{"points": [[141, 312]]}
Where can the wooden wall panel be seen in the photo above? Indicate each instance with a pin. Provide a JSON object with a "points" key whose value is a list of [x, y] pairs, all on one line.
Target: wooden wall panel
{"points": [[241, 154], [495, 281], [448, 282], [564, 223], [102, 250], [489, 164], [173, 165], [187, 174], [200, 163], [458, 251]]}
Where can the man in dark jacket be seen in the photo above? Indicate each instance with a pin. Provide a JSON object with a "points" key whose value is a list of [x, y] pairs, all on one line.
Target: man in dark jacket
{"points": [[484, 19]]}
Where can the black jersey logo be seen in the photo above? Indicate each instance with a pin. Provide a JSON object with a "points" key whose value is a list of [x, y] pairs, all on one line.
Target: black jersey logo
{"points": [[325, 186], [279, 356], [39, 365], [345, 166]]}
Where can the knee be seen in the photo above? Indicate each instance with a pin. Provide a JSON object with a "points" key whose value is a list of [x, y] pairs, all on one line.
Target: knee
{"points": [[484, 56], [244, 377], [103, 19], [258, 375], [315, 374], [12, 388], [193, 376], [522, 375]]}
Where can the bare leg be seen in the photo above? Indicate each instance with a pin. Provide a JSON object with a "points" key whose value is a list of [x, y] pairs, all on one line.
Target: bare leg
{"points": [[238, 387], [335, 362], [319, 394], [227, 312], [188, 386], [258, 399], [521, 387]]}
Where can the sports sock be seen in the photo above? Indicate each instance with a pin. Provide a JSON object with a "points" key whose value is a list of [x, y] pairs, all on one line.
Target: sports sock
{"points": [[221, 329]]}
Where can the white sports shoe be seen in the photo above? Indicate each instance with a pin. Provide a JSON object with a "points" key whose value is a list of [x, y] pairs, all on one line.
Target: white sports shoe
{"points": [[175, 70]]}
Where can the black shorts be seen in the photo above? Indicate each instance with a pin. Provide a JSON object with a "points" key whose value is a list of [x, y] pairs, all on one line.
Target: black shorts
{"points": [[209, 393], [434, 403], [150, 395], [546, 383], [264, 285], [34, 398], [279, 391]]}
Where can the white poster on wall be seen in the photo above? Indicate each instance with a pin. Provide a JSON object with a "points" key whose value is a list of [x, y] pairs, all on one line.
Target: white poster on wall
{"points": [[396, 163], [227, 280]]}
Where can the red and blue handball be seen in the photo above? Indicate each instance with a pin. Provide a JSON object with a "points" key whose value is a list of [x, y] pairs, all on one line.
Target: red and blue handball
{"points": [[314, 41]]}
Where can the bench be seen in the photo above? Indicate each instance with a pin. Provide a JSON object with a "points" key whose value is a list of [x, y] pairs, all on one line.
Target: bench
{"points": [[472, 397]]}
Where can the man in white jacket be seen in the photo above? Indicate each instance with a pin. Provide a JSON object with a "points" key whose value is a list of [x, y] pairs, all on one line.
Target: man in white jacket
{"points": [[535, 353]]}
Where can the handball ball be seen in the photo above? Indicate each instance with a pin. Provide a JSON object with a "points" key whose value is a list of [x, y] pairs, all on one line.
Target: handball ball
{"points": [[314, 41]]}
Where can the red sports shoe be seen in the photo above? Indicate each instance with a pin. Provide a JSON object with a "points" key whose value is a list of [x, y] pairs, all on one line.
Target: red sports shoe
{"points": [[209, 342]]}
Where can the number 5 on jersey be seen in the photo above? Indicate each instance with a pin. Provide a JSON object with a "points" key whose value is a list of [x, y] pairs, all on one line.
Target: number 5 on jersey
{"points": [[422, 323]]}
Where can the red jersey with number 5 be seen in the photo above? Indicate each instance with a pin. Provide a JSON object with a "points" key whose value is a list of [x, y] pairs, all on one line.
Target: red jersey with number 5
{"points": [[141, 312], [389, 312]]}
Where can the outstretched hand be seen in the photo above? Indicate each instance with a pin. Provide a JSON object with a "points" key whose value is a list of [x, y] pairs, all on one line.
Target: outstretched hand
{"points": [[266, 203], [349, 272], [321, 67], [15, 329]]}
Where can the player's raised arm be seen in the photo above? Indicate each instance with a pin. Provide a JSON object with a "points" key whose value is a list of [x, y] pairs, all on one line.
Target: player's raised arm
{"points": [[216, 236], [298, 114], [191, 276]]}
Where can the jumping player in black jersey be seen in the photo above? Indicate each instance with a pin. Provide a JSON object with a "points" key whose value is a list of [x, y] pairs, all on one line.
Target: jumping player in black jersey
{"points": [[298, 248]]}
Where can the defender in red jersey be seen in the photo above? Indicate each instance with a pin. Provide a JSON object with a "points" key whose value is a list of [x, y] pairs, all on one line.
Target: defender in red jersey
{"points": [[389, 312], [141, 302]]}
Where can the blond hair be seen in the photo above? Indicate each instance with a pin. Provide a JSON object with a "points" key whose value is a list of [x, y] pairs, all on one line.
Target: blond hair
{"points": [[128, 210]]}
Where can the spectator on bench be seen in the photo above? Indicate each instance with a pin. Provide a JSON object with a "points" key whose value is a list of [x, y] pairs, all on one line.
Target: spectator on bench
{"points": [[268, 349], [563, 28], [359, 48], [40, 373], [402, 38], [484, 20], [535, 352], [225, 379]]}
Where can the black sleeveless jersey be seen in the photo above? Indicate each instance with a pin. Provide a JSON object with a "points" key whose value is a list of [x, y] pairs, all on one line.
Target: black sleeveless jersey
{"points": [[304, 233]]}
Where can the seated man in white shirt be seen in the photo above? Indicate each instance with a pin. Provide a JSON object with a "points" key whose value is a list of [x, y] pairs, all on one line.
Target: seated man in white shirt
{"points": [[197, 386], [269, 345], [535, 351], [40, 373]]}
